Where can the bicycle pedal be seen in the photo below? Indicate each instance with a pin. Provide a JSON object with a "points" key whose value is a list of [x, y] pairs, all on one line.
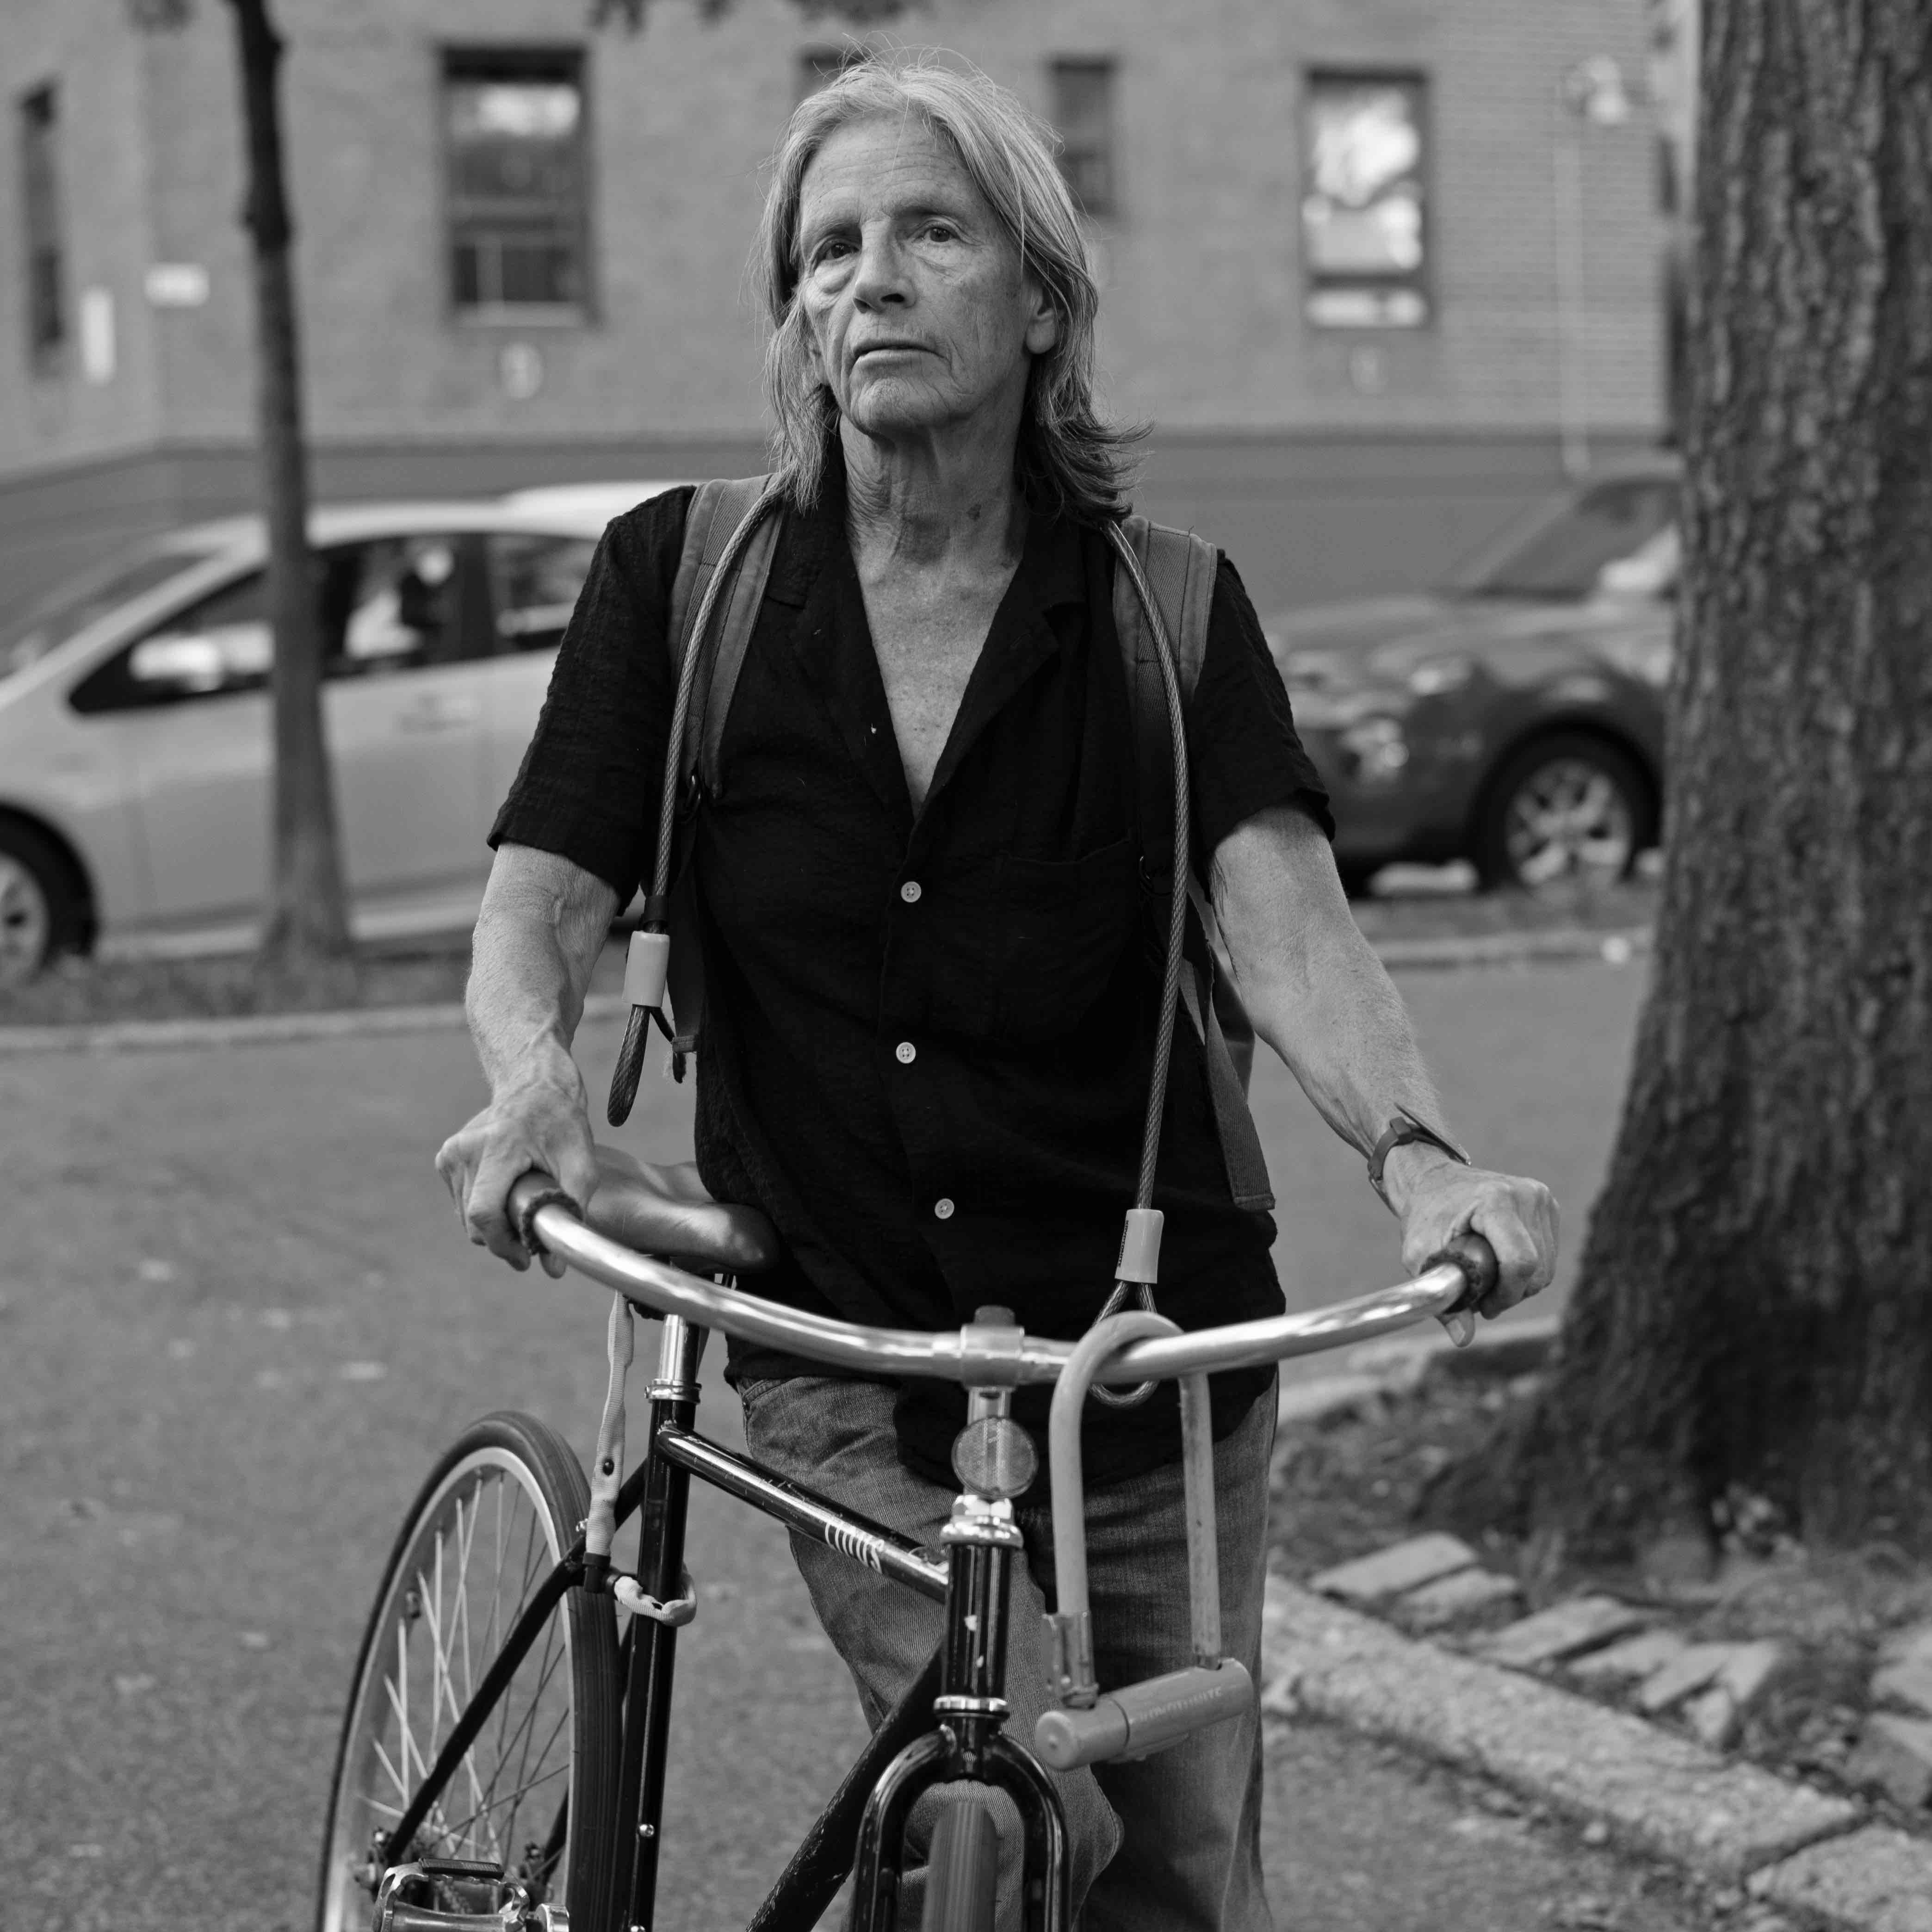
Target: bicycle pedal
{"points": [[460, 1895]]}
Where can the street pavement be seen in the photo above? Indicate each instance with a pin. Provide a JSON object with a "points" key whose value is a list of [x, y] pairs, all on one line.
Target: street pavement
{"points": [[236, 1323]]}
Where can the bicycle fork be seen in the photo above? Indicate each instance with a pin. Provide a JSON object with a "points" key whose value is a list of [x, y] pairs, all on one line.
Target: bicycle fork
{"points": [[969, 1744]]}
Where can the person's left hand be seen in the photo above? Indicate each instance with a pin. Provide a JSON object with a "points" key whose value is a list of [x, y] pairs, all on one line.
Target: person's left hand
{"points": [[1438, 1198]]}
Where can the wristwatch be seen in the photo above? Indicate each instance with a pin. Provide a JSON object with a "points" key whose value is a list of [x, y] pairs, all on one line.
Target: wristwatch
{"points": [[1403, 1128]]}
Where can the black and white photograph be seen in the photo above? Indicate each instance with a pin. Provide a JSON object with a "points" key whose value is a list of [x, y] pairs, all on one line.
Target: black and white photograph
{"points": [[966, 965]]}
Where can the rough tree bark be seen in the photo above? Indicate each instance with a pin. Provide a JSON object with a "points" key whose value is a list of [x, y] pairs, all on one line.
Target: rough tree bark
{"points": [[1754, 1309], [305, 931]]}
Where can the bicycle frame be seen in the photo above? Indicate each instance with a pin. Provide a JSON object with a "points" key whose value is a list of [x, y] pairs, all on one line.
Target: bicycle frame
{"points": [[947, 1727]]}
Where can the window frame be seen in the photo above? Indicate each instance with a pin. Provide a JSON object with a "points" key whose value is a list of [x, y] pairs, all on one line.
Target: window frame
{"points": [[1060, 68], [552, 61], [1423, 280], [36, 136]]}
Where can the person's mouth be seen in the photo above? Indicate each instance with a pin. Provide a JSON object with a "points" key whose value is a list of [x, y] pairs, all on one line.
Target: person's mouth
{"points": [[888, 349]]}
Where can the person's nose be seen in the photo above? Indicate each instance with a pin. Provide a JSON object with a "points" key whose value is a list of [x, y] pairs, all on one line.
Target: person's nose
{"points": [[881, 281]]}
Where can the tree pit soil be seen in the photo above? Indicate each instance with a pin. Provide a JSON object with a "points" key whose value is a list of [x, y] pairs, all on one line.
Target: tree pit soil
{"points": [[1363, 1479]]}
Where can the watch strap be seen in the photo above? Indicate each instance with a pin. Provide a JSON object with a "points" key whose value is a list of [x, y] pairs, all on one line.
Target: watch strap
{"points": [[1402, 1129]]}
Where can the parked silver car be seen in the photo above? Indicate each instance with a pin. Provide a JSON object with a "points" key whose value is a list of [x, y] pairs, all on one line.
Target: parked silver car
{"points": [[134, 725]]}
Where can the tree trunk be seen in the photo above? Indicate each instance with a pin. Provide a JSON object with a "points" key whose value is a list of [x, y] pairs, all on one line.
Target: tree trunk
{"points": [[305, 941], [1754, 1313]]}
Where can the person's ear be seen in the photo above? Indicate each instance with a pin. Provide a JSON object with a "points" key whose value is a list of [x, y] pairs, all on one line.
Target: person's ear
{"points": [[1042, 326]]}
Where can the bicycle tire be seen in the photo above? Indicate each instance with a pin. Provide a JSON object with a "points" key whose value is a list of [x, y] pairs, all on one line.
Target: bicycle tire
{"points": [[962, 1870], [508, 1493]]}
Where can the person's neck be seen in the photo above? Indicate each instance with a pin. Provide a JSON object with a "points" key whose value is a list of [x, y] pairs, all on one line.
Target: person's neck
{"points": [[931, 506]]}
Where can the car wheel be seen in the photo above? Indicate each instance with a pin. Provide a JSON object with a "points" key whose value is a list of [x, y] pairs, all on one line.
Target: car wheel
{"points": [[1568, 807], [39, 912]]}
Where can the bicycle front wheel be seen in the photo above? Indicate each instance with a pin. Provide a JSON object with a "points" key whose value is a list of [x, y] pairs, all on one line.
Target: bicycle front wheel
{"points": [[536, 1792]]}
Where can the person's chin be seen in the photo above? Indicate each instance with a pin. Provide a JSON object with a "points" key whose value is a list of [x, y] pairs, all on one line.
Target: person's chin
{"points": [[893, 409]]}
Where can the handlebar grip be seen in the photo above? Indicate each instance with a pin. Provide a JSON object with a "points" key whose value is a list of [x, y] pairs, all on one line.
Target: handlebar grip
{"points": [[529, 1195], [1138, 1718], [1473, 1254]]}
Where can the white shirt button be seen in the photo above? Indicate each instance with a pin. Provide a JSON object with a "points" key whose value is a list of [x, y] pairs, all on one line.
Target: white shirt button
{"points": [[910, 891], [943, 1207], [907, 1053]]}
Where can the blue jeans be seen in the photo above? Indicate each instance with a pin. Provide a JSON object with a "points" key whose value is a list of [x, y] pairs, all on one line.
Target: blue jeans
{"points": [[1169, 1842]]}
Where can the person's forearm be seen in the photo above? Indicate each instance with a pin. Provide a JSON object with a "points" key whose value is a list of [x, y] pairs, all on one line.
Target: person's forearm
{"points": [[542, 925], [1331, 1012], [1316, 992]]}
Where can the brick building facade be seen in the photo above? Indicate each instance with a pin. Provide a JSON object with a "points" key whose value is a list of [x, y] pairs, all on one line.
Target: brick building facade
{"points": [[1343, 406]]}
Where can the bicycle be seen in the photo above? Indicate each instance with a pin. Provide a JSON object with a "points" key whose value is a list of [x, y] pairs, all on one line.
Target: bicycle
{"points": [[426, 1831]]}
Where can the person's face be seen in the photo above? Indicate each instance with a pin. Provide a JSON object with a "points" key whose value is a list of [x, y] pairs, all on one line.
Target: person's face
{"points": [[918, 309]]}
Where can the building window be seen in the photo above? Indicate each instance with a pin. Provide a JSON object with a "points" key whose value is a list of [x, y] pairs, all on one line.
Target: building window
{"points": [[1083, 112], [39, 183], [513, 142], [1364, 230]]}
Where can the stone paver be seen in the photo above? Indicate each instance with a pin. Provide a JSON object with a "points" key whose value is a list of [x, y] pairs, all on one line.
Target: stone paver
{"points": [[1909, 1682], [1875, 1880], [1656, 1790], [1637, 1656], [1561, 1631], [1696, 1666], [1402, 1566], [1311, 1402], [1461, 1597], [1894, 1756], [1744, 1674]]}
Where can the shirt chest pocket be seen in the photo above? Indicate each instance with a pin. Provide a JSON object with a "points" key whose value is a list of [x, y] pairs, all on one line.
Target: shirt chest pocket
{"points": [[1018, 950]]}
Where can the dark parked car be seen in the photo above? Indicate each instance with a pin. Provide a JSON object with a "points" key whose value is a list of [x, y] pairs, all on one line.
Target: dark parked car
{"points": [[1514, 719]]}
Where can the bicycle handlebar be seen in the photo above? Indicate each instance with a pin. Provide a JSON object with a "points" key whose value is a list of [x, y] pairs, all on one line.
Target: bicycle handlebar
{"points": [[980, 1355]]}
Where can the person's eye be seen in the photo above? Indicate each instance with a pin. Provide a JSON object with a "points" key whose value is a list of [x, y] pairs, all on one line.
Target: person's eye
{"points": [[939, 231], [833, 248]]}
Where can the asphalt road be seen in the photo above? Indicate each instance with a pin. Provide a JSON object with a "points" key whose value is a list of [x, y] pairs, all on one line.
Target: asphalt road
{"points": [[236, 1322]]}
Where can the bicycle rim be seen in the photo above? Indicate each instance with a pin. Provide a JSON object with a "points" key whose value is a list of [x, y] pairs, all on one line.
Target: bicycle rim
{"points": [[535, 1793]]}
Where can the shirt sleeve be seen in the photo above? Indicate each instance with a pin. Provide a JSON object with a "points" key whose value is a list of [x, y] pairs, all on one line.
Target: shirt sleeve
{"points": [[589, 786], [1242, 748]]}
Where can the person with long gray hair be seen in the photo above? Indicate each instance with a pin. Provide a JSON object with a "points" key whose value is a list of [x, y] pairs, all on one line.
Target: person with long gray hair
{"points": [[931, 979]]}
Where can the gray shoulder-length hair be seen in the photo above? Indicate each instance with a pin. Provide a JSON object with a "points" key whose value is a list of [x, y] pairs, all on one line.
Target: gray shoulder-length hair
{"points": [[1068, 462]]}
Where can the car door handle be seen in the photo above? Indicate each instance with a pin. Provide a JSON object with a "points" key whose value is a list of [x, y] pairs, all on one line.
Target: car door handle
{"points": [[440, 713]]}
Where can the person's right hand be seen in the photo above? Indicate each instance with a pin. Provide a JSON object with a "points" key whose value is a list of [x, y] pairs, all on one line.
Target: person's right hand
{"points": [[544, 1123]]}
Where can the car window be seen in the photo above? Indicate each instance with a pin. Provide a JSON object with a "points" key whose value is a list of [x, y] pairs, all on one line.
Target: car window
{"points": [[1563, 552], [221, 643], [393, 603], [81, 601], [534, 582]]}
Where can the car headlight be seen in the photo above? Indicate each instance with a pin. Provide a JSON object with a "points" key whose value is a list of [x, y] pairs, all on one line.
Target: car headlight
{"points": [[1375, 748]]}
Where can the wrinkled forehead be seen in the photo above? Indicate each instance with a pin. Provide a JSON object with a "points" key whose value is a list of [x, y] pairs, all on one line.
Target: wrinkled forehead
{"points": [[881, 164]]}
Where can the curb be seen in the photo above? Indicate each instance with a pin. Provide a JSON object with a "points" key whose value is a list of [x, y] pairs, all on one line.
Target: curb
{"points": [[1724, 1820], [258, 1029], [1499, 948], [1515, 949]]}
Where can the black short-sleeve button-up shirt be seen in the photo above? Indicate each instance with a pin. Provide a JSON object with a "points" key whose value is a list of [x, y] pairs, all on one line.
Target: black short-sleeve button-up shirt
{"points": [[928, 1036]]}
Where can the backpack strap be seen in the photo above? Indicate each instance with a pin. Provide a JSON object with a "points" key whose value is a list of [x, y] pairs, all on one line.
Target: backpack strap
{"points": [[717, 510], [1181, 569]]}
